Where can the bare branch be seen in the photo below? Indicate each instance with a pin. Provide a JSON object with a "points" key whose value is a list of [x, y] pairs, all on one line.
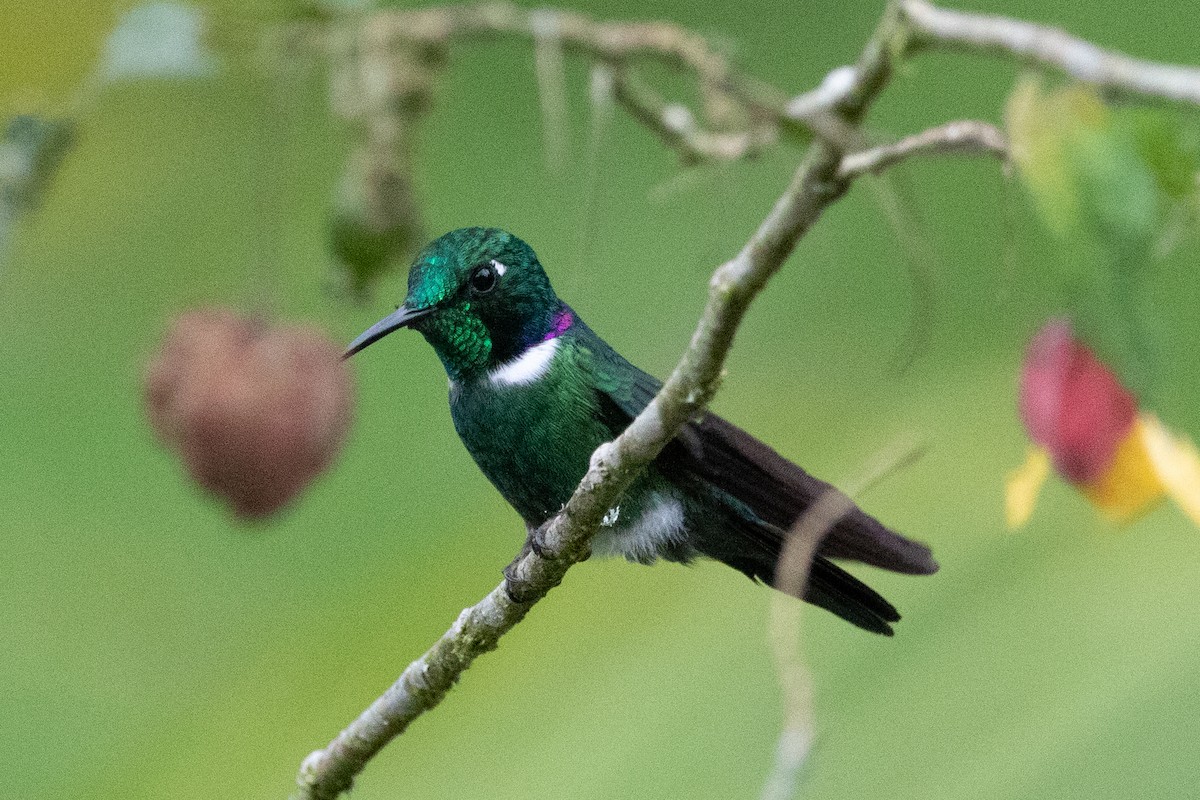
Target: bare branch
{"points": [[1049, 47], [617, 44], [678, 129], [605, 41], [968, 137]]}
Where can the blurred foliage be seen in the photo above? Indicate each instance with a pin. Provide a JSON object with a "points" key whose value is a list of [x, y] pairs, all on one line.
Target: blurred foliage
{"points": [[1120, 185], [30, 152], [374, 224], [150, 648]]}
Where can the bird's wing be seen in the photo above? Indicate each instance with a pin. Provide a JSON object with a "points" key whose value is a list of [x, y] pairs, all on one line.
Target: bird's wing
{"points": [[740, 465]]}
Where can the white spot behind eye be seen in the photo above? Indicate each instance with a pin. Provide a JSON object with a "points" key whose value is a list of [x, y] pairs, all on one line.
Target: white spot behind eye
{"points": [[500, 268]]}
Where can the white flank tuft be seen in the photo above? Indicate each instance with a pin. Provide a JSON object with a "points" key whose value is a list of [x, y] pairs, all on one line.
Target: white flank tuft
{"points": [[527, 367], [660, 526]]}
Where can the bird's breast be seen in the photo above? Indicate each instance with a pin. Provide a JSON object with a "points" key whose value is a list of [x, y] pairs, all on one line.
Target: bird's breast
{"points": [[531, 426]]}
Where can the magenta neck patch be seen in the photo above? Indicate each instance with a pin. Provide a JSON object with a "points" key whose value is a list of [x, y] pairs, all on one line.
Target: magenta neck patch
{"points": [[562, 321]]}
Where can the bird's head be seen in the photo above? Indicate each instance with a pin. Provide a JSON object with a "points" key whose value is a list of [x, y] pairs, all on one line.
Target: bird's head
{"points": [[479, 296]]}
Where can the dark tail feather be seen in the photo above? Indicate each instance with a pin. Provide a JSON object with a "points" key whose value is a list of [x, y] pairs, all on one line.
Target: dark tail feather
{"points": [[861, 537], [753, 548], [834, 589], [778, 492]]}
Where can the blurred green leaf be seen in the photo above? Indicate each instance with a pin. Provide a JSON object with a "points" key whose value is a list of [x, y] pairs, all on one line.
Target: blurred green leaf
{"points": [[1113, 176], [374, 224], [1119, 202], [1168, 145], [1042, 129], [30, 153]]}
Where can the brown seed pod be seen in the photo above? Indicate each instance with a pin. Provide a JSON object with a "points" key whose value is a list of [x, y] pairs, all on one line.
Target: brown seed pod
{"points": [[255, 412]]}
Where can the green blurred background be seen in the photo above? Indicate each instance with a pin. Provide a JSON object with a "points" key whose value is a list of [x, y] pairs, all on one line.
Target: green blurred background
{"points": [[151, 648]]}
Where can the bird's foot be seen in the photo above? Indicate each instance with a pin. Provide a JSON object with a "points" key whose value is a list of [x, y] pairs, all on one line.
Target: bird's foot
{"points": [[536, 541], [515, 585]]}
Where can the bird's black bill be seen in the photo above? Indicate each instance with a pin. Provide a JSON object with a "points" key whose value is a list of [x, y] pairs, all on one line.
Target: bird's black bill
{"points": [[402, 317]]}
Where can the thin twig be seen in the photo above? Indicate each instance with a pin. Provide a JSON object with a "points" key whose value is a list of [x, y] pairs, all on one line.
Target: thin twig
{"points": [[1046, 46], [551, 83], [798, 732], [677, 128], [967, 136], [791, 576]]}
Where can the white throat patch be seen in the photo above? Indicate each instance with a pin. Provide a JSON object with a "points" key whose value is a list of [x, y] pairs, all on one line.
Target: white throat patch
{"points": [[527, 367]]}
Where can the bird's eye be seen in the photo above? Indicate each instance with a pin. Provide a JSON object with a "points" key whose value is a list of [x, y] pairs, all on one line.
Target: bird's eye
{"points": [[483, 279]]}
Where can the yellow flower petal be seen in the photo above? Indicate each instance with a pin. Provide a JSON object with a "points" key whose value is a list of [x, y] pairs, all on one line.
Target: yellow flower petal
{"points": [[1132, 484], [1176, 462], [1023, 485]]}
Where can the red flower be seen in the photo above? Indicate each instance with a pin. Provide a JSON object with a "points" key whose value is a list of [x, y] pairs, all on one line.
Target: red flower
{"points": [[1090, 428], [1072, 404]]}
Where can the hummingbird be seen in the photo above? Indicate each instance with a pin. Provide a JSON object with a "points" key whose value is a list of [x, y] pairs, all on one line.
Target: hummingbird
{"points": [[534, 391]]}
